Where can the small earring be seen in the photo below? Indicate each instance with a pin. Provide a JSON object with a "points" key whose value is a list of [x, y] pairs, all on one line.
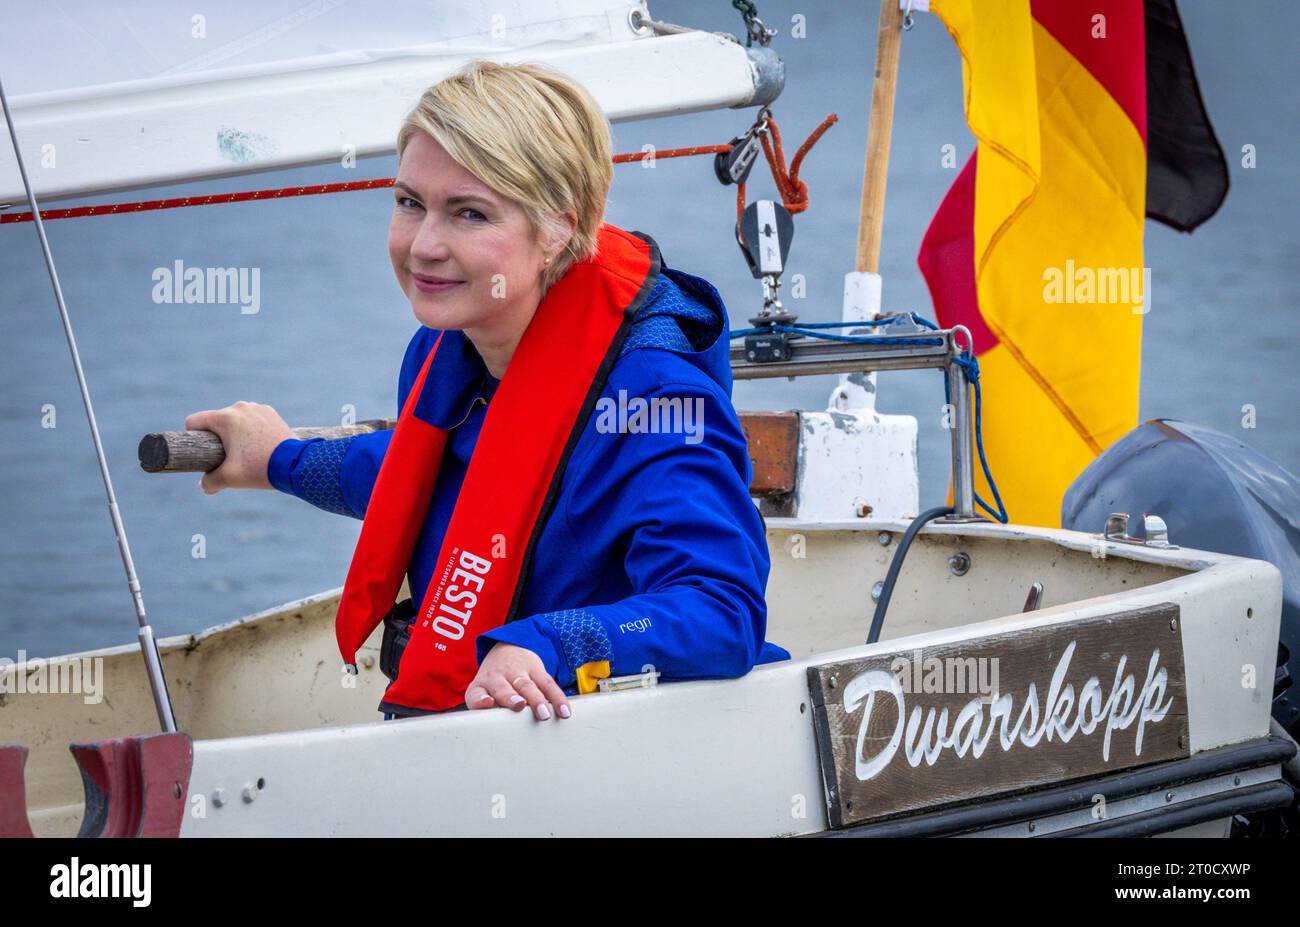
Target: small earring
{"points": [[547, 261]]}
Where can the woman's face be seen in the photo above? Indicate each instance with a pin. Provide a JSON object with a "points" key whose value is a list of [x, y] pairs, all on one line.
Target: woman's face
{"points": [[464, 255]]}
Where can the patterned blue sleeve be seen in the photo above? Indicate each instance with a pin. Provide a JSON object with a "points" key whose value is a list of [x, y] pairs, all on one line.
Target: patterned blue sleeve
{"points": [[334, 474], [565, 640], [583, 638]]}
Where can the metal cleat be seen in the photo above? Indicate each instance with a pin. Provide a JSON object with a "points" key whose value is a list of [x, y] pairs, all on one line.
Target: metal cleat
{"points": [[1153, 526]]}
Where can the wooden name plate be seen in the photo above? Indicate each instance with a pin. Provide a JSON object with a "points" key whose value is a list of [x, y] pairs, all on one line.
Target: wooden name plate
{"points": [[915, 729]]}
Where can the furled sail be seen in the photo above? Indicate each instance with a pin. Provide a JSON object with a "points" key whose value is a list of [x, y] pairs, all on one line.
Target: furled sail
{"points": [[116, 94]]}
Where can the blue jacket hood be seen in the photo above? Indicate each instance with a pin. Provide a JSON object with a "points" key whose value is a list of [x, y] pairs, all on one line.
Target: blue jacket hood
{"points": [[685, 314]]}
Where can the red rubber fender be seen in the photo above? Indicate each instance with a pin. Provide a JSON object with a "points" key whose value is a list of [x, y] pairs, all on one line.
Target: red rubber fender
{"points": [[135, 786], [13, 792]]}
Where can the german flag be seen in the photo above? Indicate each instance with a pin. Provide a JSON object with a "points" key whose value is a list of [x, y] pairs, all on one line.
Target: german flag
{"points": [[1088, 118]]}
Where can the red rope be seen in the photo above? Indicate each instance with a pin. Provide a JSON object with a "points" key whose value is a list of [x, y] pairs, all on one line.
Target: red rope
{"points": [[178, 202], [793, 191], [670, 153]]}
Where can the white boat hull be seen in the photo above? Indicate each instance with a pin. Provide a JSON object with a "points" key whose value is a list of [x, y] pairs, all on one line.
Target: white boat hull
{"points": [[264, 701]]}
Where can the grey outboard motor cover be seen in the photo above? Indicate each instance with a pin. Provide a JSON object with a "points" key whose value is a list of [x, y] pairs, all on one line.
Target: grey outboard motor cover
{"points": [[1215, 493]]}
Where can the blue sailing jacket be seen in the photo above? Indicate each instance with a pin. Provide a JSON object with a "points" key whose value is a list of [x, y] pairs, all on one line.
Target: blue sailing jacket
{"points": [[654, 555]]}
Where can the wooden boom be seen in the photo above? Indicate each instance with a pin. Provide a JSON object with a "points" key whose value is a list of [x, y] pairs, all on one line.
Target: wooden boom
{"points": [[201, 451], [773, 439]]}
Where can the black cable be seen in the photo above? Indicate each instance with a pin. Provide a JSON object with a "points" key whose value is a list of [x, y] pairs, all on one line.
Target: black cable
{"points": [[896, 565]]}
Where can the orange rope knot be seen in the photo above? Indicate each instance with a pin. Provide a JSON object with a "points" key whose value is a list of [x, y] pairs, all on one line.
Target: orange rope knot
{"points": [[793, 190]]}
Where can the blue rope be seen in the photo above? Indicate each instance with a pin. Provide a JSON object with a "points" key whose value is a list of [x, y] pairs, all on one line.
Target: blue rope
{"points": [[858, 339], [966, 360], [867, 323]]}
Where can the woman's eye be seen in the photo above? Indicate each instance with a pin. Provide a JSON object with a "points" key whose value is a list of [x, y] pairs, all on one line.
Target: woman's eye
{"points": [[473, 214], [408, 202]]}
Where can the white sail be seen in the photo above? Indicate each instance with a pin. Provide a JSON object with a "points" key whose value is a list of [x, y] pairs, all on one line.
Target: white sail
{"points": [[117, 95]]}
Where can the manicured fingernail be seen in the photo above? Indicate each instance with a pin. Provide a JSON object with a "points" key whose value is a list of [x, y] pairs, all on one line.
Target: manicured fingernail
{"points": [[543, 713], [564, 711], [516, 700]]}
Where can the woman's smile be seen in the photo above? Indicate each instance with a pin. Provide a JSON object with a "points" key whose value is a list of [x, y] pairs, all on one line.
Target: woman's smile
{"points": [[426, 283]]}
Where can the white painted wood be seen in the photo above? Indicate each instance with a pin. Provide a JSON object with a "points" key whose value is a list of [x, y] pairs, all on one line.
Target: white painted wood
{"points": [[853, 458], [687, 758], [857, 391]]}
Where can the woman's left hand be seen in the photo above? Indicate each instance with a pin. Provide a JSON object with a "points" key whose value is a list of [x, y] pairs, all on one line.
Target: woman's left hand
{"points": [[513, 677]]}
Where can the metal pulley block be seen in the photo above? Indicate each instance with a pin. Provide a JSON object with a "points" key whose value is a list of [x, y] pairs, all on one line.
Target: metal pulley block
{"points": [[764, 235], [734, 166]]}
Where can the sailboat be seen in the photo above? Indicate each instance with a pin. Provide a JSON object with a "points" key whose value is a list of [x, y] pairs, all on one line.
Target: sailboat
{"points": [[950, 674]]}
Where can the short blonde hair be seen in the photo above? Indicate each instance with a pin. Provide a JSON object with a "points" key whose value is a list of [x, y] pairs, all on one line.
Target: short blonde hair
{"points": [[533, 135]]}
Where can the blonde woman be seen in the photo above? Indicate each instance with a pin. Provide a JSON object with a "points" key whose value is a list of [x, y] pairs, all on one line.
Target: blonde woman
{"points": [[567, 486]]}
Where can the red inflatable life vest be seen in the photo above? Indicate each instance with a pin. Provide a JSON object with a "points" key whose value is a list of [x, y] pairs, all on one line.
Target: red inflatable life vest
{"points": [[559, 369]]}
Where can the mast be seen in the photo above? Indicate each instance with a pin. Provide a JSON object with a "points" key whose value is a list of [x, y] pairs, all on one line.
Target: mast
{"points": [[875, 166], [862, 285]]}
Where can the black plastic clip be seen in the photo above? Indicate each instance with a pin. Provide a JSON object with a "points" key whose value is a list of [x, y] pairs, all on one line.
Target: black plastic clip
{"points": [[766, 347]]}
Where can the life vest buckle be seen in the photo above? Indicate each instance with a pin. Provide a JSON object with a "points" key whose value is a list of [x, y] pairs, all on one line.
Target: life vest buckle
{"points": [[397, 635]]}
